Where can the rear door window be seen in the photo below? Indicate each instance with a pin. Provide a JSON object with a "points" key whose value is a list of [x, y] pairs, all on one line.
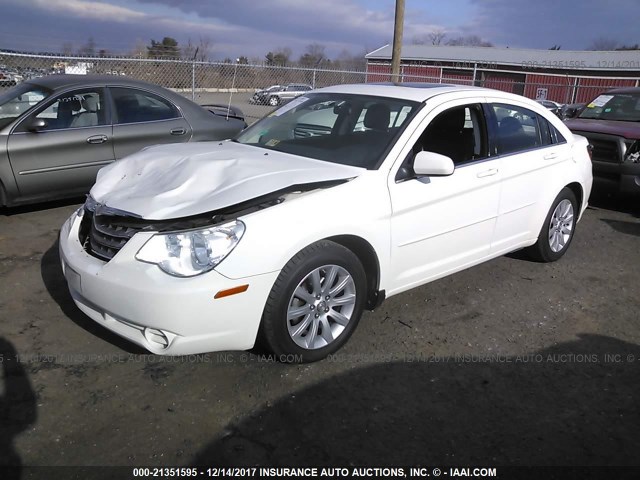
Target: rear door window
{"points": [[137, 106], [518, 129]]}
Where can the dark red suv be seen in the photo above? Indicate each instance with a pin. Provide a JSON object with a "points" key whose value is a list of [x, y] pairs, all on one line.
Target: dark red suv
{"points": [[611, 122]]}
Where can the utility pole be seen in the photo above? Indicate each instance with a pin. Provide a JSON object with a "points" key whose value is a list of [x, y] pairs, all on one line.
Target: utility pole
{"points": [[397, 41]]}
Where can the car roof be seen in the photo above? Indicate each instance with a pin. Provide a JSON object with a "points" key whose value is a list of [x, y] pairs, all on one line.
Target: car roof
{"points": [[625, 90], [419, 92], [58, 81]]}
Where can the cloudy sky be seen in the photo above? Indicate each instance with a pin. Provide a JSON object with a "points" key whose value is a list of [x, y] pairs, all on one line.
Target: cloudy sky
{"points": [[253, 27]]}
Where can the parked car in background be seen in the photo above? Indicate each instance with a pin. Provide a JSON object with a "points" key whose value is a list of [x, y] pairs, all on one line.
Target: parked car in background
{"points": [[336, 200], [571, 110], [277, 94], [9, 78], [553, 107], [56, 132], [611, 122]]}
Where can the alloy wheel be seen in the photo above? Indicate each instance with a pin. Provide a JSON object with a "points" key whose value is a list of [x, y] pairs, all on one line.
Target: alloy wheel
{"points": [[321, 307], [561, 226]]}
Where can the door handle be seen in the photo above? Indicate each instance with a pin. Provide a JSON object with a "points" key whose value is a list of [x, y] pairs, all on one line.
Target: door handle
{"points": [[488, 173], [178, 131], [550, 156], [95, 139]]}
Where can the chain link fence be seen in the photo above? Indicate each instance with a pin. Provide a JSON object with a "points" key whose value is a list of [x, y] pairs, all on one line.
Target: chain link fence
{"points": [[222, 83]]}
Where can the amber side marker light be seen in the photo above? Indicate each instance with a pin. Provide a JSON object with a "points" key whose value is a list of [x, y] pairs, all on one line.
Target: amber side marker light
{"points": [[231, 291]]}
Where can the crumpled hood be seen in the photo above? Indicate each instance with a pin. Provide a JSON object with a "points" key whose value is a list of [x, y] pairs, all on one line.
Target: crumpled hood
{"points": [[180, 180]]}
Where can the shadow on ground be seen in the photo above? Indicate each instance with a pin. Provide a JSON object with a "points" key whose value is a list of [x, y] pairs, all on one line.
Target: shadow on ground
{"points": [[566, 405], [605, 198], [56, 285], [628, 228], [17, 408]]}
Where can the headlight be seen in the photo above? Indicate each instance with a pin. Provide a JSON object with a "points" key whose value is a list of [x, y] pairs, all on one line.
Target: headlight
{"points": [[190, 253], [632, 151]]}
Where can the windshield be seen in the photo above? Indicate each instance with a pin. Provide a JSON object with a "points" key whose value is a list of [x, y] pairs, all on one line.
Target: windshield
{"points": [[341, 128], [19, 99], [614, 106]]}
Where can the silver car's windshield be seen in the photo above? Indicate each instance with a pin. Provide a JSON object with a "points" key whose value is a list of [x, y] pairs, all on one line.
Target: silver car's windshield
{"points": [[19, 99], [614, 106], [341, 128]]}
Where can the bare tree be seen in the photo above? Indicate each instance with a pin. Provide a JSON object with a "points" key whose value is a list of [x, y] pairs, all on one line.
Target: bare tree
{"points": [[67, 49], [348, 61], [280, 57], [437, 36], [469, 41], [139, 50], [204, 49], [629, 47], [88, 49], [313, 56], [603, 44]]}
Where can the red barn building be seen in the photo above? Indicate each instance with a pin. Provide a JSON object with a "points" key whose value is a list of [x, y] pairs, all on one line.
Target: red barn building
{"points": [[563, 76]]}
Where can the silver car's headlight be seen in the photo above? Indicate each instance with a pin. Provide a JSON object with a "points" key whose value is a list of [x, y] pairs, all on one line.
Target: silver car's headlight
{"points": [[192, 252]]}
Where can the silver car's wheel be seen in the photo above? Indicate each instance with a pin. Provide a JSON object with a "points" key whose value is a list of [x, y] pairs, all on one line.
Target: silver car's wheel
{"points": [[273, 101], [561, 226], [321, 307]]}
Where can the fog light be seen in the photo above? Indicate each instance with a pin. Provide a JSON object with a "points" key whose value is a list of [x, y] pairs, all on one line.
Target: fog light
{"points": [[156, 337]]}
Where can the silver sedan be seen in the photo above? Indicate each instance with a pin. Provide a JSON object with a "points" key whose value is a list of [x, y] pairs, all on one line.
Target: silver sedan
{"points": [[56, 132]]}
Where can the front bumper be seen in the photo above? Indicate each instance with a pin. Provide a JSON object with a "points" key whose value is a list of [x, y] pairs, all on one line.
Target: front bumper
{"points": [[166, 315], [625, 176]]}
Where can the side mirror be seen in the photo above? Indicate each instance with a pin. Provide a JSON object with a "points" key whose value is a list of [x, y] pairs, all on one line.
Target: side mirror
{"points": [[431, 163], [37, 124], [570, 112]]}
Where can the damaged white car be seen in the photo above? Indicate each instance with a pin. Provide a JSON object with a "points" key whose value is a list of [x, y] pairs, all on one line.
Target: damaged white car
{"points": [[342, 197]]}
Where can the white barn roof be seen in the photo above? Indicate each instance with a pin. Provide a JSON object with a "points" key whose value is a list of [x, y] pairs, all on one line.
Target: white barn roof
{"points": [[619, 60]]}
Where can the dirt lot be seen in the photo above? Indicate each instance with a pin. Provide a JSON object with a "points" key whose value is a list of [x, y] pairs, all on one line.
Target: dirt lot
{"points": [[511, 362]]}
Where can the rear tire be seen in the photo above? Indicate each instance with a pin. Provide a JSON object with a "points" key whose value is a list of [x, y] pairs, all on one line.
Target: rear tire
{"points": [[315, 303], [558, 229]]}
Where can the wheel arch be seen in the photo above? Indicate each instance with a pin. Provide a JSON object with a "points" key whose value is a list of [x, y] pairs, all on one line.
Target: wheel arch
{"points": [[369, 259], [576, 188]]}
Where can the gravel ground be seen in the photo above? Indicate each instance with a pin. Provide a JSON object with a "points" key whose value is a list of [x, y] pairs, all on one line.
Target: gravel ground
{"points": [[508, 363]]}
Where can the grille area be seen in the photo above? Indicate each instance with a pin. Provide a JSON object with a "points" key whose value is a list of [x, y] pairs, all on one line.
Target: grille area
{"points": [[104, 235], [605, 150]]}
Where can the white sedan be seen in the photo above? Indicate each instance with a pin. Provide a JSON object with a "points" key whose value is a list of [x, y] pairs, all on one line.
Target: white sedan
{"points": [[340, 198]]}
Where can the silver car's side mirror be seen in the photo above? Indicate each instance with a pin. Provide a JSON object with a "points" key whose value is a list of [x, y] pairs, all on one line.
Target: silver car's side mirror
{"points": [[38, 124], [431, 163]]}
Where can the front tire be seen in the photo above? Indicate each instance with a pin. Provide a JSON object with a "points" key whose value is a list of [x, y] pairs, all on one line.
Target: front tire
{"points": [[315, 303], [558, 229], [274, 101]]}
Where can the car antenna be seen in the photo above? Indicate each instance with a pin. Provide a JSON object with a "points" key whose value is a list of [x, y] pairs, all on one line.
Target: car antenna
{"points": [[233, 83], [193, 75]]}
